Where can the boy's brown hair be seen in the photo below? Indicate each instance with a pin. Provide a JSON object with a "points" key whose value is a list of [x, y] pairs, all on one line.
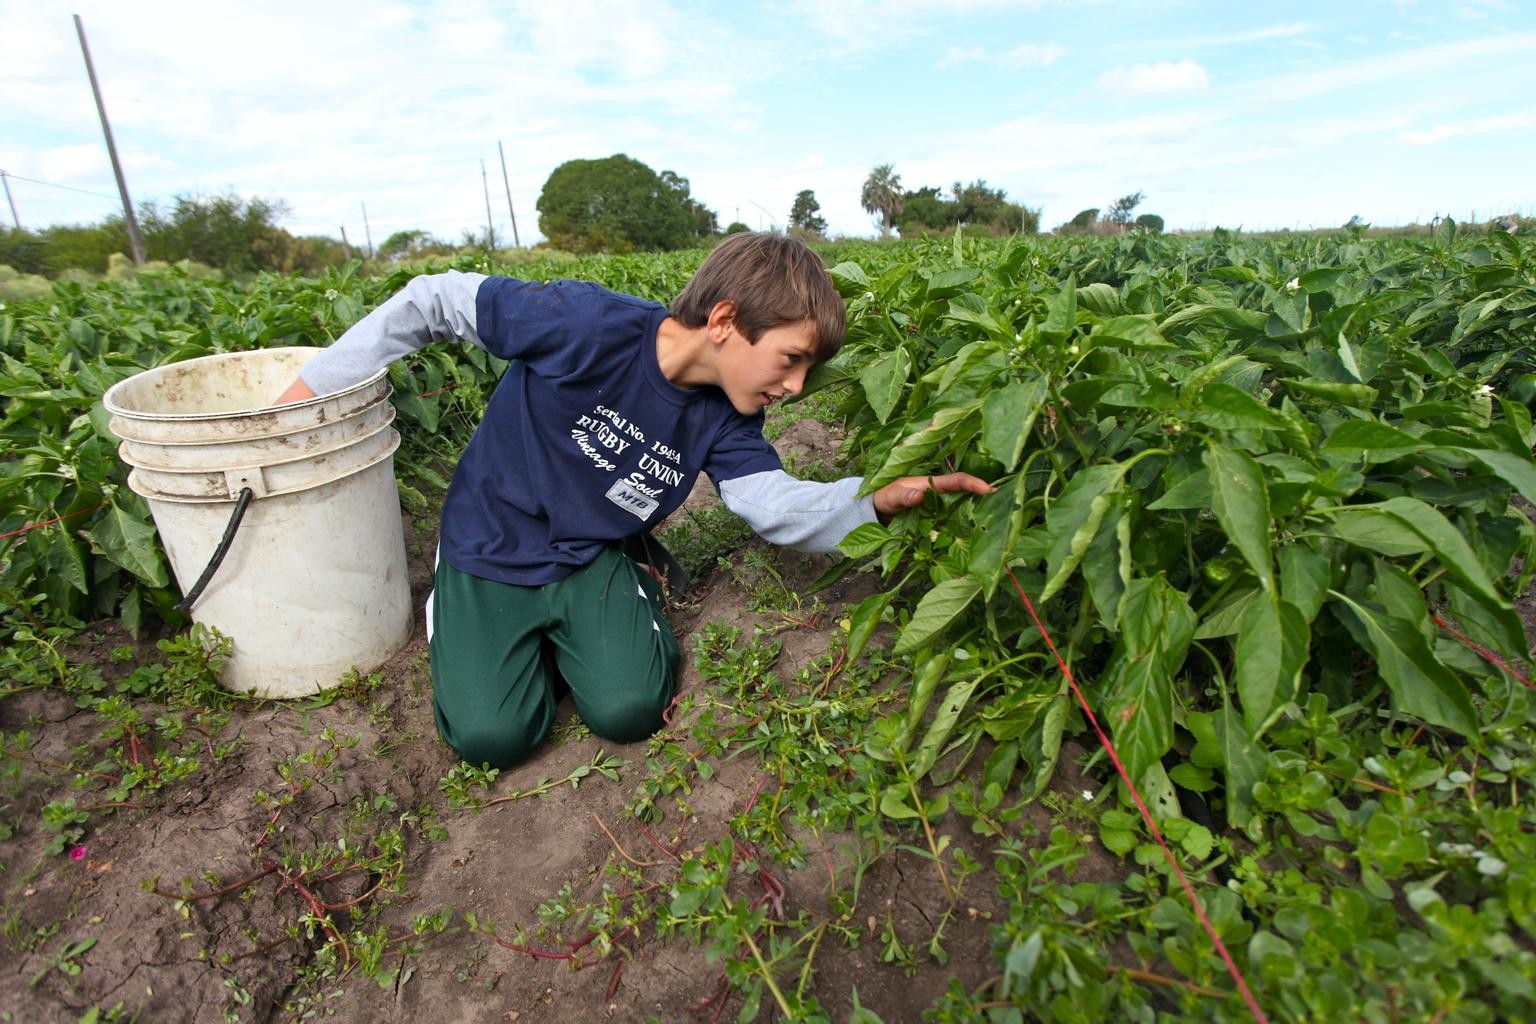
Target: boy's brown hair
{"points": [[773, 280]]}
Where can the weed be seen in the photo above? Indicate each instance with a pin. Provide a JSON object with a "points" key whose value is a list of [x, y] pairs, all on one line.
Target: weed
{"points": [[66, 961]]}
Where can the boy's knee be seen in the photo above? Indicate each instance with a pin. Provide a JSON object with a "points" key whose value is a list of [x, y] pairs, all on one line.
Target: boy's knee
{"points": [[626, 719], [490, 743]]}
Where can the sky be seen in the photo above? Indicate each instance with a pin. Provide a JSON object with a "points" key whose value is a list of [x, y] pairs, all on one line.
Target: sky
{"points": [[1253, 116]]}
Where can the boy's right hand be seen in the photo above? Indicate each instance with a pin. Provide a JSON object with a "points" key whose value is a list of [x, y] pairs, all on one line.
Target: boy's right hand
{"points": [[298, 391], [907, 492]]}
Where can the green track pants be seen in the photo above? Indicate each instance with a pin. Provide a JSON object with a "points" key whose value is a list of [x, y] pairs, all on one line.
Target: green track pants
{"points": [[499, 651]]}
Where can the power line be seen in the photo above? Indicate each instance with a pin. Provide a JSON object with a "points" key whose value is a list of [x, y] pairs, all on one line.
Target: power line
{"points": [[66, 188]]}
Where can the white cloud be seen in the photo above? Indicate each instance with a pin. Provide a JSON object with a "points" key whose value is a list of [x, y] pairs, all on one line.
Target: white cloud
{"points": [[1026, 55], [1413, 65], [1039, 55], [1518, 123], [957, 55], [1156, 79]]}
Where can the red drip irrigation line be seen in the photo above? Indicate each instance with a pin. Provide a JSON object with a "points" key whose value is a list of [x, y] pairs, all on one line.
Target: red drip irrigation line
{"points": [[1146, 815], [1485, 652], [60, 519]]}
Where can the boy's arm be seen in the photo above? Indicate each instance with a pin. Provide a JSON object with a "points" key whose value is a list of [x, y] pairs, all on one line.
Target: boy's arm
{"points": [[433, 307], [813, 517]]}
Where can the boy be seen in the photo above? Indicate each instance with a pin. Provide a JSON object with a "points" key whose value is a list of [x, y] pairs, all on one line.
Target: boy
{"points": [[608, 411]]}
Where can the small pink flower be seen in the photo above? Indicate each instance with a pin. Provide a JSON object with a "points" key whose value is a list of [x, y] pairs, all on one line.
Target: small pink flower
{"points": [[78, 853]]}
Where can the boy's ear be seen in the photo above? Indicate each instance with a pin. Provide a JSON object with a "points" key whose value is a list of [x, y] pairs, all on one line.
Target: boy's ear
{"points": [[721, 318]]}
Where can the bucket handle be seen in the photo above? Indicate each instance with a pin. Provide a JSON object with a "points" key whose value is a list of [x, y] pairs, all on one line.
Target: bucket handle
{"points": [[241, 504]]}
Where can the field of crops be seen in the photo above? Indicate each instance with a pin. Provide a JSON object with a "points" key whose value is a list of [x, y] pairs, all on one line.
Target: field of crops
{"points": [[1250, 605]]}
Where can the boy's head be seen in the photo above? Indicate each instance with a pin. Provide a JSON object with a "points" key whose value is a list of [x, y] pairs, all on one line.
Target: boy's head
{"points": [[772, 280]]}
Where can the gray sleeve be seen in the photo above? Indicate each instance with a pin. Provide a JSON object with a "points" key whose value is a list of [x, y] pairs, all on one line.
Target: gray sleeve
{"points": [[800, 514], [433, 307]]}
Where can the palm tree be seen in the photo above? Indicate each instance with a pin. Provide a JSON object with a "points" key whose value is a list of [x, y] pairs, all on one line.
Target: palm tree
{"points": [[882, 195]]}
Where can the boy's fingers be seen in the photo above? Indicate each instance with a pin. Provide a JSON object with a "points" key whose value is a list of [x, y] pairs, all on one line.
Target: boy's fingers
{"points": [[951, 483]]}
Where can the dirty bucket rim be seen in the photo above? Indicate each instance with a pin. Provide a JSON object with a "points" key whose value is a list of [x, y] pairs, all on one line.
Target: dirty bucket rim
{"points": [[108, 399], [380, 406]]}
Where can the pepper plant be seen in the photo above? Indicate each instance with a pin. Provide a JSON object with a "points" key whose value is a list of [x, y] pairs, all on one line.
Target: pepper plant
{"points": [[1230, 474]]}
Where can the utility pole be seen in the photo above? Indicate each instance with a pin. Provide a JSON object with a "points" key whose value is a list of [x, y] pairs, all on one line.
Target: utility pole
{"points": [[367, 233], [518, 242], [5, 180], [346, 247], [490, 230], [134, 238]]}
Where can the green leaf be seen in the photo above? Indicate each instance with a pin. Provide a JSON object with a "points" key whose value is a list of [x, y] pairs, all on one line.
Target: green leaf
{"points": [[894, 803], [883, 381], [1515, 471], [865, 620], [930, 672], [970, 308], [1304, 578], [1007, 416], [1099, 298], [1226, 407], [943, 724], [1234, 318], [1107, 564], [1358, 396], [1222, 740], [915, 454], [1241, 505], [849, 278], [997, 522], [1374, 438], [1271, 649], [1226, 619], [130, 542], [1157, 625], [1421, 685], [948, 282], [1074, 518], [1061, 312], [66, 563], [1133, 332], [864, 540], [1460, 563], [938, 608], [1370, 528], [1192, 491]]}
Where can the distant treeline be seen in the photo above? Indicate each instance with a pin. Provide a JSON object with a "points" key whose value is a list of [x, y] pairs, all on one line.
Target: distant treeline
{"points": [[226, 232]]}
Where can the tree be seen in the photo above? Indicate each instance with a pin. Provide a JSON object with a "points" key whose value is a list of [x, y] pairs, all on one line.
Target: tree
{"points": [[882, 195], [1083, 221], [805, 214], [736, 227], [411, 244], [1150, 222], [618, 204], [973, 205], [225, 231], [925, 208], [1120, 209]]}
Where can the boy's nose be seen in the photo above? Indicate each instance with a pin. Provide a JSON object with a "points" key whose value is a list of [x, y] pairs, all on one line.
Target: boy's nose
{"points": [[795, 382]]}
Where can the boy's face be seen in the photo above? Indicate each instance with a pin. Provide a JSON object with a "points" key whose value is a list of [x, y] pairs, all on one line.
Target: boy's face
{"points": [[754, 376]]}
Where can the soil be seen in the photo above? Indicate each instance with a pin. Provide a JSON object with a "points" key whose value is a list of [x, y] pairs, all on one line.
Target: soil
{"points": [[249, 955]]}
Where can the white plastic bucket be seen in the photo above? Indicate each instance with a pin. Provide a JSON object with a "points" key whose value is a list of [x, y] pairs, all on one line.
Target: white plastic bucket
{"points": [[314, 582]]}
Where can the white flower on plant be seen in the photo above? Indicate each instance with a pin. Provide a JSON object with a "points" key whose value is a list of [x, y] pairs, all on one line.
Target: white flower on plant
{"points": [[1088, 795], [1293, 284], [331, 294], [1485, 389]]}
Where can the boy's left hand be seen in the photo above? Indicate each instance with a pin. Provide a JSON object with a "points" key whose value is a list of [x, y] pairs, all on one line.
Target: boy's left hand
{"points": [[900, 495]]}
